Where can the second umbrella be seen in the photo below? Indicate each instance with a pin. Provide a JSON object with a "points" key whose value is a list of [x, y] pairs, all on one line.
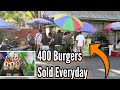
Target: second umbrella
{"points": [[88, 28]]}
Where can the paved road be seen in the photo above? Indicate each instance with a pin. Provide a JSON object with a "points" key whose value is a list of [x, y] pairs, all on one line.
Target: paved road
{"points": [[95, 66]]}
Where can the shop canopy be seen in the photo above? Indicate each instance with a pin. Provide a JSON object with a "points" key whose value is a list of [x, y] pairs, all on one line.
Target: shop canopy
{"points": [[40, 21], [5, 25]]}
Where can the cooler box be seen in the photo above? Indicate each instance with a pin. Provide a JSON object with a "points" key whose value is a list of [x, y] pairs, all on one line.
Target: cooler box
{"points": [[114, 53]]}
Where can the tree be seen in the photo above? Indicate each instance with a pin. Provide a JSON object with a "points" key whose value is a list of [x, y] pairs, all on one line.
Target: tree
{"points": [[31, 14], [19, 17], [11, 16]]}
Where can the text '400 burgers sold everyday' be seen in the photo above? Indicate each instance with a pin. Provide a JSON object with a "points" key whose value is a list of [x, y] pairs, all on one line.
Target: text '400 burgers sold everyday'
{"points": [[59, 56]]}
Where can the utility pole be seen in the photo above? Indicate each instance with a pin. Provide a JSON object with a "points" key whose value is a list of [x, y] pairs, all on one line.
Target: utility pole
{"points": [[39, 14]]}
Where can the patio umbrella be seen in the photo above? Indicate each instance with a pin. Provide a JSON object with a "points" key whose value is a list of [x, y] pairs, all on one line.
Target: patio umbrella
{"points": [[108, 27], [88, 28], [10, 27], [5, 25], [40, 21], [68, 22], [113, 26], [31, 22]]}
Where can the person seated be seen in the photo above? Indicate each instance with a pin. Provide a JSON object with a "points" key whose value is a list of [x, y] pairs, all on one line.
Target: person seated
{"points": [[15, 44], [2, 45]]}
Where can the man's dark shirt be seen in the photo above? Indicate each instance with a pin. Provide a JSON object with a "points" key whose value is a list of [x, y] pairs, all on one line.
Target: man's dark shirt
{"points": [[58, 40]]}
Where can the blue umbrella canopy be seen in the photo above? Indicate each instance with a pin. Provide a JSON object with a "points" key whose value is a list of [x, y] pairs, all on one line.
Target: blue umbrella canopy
{"points": [[40, 21], [112, 26], [88, 28], [5, 25]]}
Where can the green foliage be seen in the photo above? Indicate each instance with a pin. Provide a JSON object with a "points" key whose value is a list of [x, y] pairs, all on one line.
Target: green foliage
{"points": [[19, 18], [102, 38], [31, 14]]}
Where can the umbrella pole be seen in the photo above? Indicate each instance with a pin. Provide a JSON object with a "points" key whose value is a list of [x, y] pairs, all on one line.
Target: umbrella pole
{"points": [[55, 29], [74, 38], [116, 37], [88, 35], [39, 26]]}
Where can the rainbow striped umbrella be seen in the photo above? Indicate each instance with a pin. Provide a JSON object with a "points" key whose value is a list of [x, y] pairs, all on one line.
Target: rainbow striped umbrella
{"points": [[68, 22]]}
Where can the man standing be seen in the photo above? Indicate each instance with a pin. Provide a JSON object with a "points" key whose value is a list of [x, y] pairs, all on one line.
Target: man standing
{"points": [[31, 40], [38, 38], [68, 42], [80, 40], [58, 41]]}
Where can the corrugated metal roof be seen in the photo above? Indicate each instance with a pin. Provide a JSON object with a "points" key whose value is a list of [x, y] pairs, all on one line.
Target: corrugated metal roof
{"points": [[112, 15]]}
